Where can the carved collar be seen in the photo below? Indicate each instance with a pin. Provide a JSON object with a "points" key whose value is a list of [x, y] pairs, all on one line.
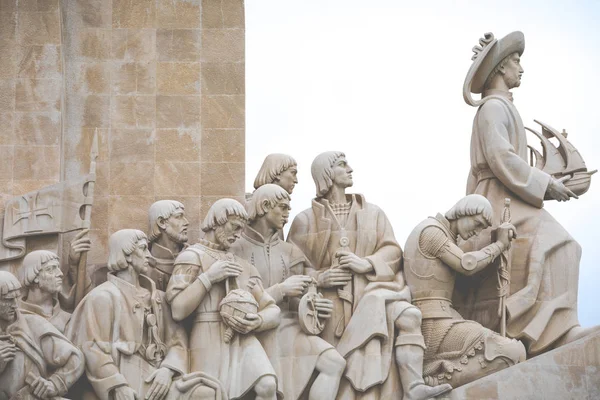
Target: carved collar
{"points": [[210, 245], [253, 236], [161, 252], [497, 92], [128, 288], [35, 309], [446, 224]]}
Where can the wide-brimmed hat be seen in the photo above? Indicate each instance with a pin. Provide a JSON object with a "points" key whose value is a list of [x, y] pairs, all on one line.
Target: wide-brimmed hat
{"points": [[487, 56]]}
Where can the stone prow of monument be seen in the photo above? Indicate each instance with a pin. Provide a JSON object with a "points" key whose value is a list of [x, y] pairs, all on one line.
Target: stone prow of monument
{"points": [[568, 372]]}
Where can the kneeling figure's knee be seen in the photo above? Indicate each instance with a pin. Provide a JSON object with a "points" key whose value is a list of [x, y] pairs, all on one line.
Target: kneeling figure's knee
{"points": [[409, 321], [266, 387]]}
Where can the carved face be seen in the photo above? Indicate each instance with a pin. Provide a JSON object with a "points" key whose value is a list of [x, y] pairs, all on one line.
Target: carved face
{"points": [[8, 306], [140, 258], [229, 232], [175, 227], [288, 179], [513, 71], [278, 216], [470, 226], [50, 277], [342, 173]]}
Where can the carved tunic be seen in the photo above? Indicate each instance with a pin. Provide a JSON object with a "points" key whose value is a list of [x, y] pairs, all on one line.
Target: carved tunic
{"points": [[41, 351], [292, 352], [379, 297], [240, 363], [542, 304]]}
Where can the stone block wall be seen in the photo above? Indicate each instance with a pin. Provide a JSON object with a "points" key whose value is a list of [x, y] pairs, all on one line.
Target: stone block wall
{"points": [[161, 82], [31, 82]]}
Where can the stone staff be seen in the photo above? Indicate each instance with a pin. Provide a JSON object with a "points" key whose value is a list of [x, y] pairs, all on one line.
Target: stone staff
{"points": [[88, 191]]}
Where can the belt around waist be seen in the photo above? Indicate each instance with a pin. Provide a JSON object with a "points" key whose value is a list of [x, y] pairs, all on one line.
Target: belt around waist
{"points": [[419, 295], [208, 317]]}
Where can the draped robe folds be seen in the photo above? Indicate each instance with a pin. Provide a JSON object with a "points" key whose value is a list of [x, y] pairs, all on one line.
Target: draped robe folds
{"points": [[292, 352], [108, 325], [41, 351], [379, 296], [240, 363], [542, 304]]}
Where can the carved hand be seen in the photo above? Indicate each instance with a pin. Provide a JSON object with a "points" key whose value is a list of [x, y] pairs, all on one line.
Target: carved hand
{"points": [[7, 353], [222, 270], [558, 191], [80, 244], [43, 389], [353, 262], [506, 233], [125, 393], [247, 324], [324, 307], [334, 277], [295, 285], [161, 382]]}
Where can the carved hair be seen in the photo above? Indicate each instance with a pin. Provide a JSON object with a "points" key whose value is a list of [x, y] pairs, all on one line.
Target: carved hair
{"points": [[120, 246], [220, 211], [322, 171], [497, 69], [161, 209], [273, 166], [32, 264], [8, 283], [265, 198], [473, 204]]}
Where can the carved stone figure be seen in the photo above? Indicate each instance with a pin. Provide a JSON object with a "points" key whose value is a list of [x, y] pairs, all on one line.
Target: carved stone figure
{"points": [[42, 279], [352, 246], [167, 235], [279, 169], [285, 272], [133, 348], [458, 351], [36, 360], [542, 304], [204, 274]]}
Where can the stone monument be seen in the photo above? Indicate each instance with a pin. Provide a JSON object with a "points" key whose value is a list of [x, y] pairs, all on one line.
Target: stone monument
{"points": [[118, 116]]}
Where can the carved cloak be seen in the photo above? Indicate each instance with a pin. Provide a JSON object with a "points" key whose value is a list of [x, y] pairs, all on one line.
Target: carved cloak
{"points": [[42, 351], [542, 305], [107, 325]]}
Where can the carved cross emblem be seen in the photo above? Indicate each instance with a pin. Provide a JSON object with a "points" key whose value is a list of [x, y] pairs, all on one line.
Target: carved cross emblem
{"points": [[34, 210]]}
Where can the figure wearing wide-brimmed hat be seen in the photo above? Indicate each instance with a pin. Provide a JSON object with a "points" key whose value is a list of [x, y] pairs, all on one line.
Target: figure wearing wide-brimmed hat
{"points": [[542, 306]]}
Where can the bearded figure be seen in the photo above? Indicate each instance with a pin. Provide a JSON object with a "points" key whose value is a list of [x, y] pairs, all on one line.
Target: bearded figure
{"points": [[167, 227]]}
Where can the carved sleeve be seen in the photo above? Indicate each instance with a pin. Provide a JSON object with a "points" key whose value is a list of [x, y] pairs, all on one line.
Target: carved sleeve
{"points": [[268, 309], [93, 333], [65, 359], [434, 243], [185, 291], [176, 340], [529, 183], [387, 257]]}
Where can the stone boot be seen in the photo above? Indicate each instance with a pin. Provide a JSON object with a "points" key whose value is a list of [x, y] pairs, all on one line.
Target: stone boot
{"points": [[410, 367]]}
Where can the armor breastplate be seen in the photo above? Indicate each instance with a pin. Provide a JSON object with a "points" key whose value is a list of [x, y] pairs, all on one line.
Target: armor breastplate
{"points": [[431, 281]]}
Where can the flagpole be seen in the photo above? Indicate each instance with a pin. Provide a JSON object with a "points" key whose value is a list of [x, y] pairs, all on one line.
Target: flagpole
{"points": [[88, 192]]}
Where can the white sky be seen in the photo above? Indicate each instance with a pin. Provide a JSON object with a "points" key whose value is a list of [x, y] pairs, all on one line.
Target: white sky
{"points": [[382, 81]]}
